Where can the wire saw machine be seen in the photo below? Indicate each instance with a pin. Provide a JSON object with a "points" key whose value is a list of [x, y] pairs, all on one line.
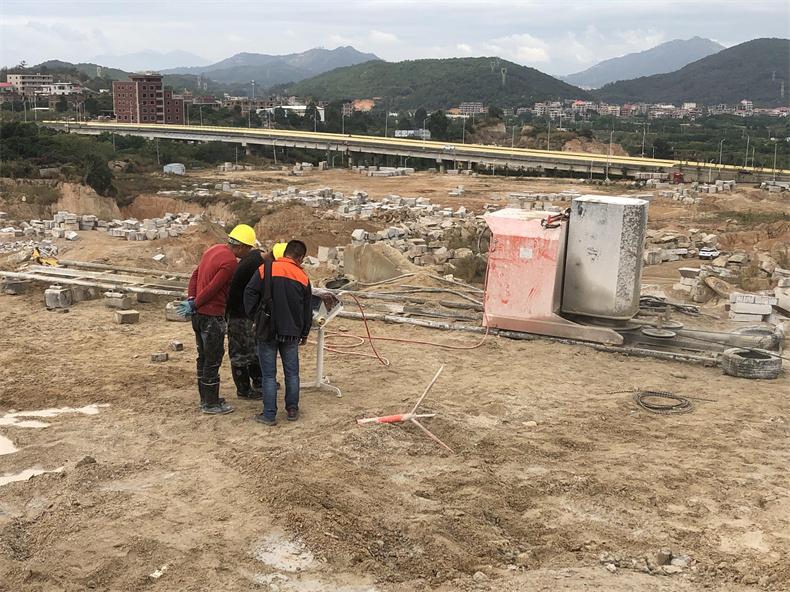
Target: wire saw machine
{"points": [[325, 305]]}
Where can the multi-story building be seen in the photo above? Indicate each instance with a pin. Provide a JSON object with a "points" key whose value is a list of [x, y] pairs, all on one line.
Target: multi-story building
{"points": [[744, 108], [29, 84], [60, 88], [553, 109], [142, 99], [348, 109], [472, 108]]}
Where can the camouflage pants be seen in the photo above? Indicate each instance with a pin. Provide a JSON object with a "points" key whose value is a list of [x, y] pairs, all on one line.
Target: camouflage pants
{"points": [[241, 343]]}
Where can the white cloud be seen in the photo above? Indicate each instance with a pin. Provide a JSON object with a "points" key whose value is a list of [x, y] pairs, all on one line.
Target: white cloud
{"points": [[381, 37]]}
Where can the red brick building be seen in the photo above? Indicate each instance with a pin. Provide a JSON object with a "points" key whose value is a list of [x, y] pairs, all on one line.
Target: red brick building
{"points": [[142, 99]]}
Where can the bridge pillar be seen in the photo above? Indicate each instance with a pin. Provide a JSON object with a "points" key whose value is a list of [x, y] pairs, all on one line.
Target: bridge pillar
{"points": [[247, 148], [440, 165]]}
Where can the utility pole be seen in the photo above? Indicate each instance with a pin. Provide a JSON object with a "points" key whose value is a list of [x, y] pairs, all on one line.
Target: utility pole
{"points": [[253, 90], [746, 160], [315, 119], [156, 143], [721, 144], [386, 118], [513, 137], [776, 145], [548, 140]]}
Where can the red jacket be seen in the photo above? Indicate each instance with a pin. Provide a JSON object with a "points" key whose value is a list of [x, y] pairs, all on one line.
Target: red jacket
{"points": [[210, 281]]}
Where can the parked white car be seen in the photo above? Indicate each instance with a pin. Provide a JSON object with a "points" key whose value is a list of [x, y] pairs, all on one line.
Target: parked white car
{"points": [[709, 253]]}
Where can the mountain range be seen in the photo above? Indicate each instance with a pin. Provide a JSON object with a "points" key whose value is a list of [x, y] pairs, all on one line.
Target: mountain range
{"points": [[756, 70], [438, 83], [666, 57], [149, 60], [270, 70]]}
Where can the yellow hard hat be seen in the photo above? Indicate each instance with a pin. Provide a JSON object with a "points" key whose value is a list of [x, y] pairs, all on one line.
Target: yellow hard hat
{"points": [[243, 234], [278, 250]]}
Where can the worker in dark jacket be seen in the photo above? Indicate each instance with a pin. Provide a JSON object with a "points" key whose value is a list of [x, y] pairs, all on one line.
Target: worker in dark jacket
{"points": [[206, 303], [244, 364], [291, 317]]}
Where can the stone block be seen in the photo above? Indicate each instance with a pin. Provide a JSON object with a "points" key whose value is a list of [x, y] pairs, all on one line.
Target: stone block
{"points": [[57, 297], [176, 345], [14, 287], [745, 318], [117, 300], [171, 313], [739, 297], [127, 317], [71, 235], [751, 308], [689, 272], [159, 357]]}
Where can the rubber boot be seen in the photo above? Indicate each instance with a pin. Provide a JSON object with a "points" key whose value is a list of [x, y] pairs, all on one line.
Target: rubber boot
{"points": [[202, 392], [215, 405], [241, 377], [255, 375]]}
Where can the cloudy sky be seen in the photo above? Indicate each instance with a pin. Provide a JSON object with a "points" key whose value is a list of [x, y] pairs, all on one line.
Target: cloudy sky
{"points": [[555, 36]]}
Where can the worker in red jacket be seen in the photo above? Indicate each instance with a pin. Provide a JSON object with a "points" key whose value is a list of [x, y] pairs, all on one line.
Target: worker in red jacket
{"points": [[206, 302]]}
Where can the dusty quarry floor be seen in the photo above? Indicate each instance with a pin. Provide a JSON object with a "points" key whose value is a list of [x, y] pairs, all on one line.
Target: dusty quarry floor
{"points": [[557, 472]]}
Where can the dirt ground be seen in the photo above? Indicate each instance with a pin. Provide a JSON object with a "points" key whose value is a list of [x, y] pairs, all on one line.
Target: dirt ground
{"points": [[558, 482]]}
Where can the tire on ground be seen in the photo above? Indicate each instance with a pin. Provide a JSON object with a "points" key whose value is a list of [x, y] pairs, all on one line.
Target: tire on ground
{"points": [[750, 363]]}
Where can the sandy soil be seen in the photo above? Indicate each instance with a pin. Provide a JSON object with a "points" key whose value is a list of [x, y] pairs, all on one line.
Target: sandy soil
{"points": [[382, 507], [556, 473]]}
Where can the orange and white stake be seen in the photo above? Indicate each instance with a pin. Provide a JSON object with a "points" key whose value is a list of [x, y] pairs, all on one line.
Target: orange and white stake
{"points": [[412, 415]]}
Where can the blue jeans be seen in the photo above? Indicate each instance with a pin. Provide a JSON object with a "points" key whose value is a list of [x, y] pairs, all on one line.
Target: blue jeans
{"points": [[289, 357]]}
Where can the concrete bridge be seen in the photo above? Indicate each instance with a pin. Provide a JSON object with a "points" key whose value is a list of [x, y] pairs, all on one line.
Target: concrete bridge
{"points": [[445, 154]]}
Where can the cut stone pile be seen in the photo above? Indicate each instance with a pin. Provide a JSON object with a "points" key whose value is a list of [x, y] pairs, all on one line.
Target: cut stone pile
{"points": [[425, 240], [689, 195], [25, 247], [721, 277], [775, 186], [539, 201], [65, 225], [358, 205], [380, 171], [666, 245]]}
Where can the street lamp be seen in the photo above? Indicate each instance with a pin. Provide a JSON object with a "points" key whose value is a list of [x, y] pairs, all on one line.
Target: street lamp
{"points": [[720, 147], [513, 137], [609, 154], [463, 129], [342, 123], [200, 108], [548, 139]]}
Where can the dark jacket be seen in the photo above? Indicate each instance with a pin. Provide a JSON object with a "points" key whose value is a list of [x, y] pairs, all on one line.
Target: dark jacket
{"points": [[291, 298], [244, 271], [210, 280]]}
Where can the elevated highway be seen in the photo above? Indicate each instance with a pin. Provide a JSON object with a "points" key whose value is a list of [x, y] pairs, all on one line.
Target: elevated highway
{"points": [[451, 155]]}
